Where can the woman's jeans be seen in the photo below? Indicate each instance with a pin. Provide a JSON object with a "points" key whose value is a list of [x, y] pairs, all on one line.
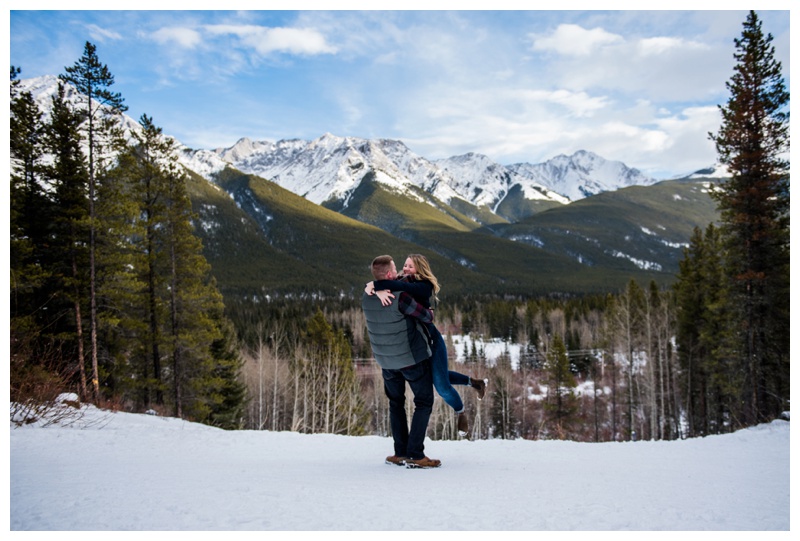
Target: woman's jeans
{"points": [[444, 379]]}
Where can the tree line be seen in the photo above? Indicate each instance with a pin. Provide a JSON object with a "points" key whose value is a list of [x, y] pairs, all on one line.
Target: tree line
{"points": [[111, 296]]}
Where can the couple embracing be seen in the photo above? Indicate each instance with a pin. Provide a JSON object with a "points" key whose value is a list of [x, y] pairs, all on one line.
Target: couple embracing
{"points": [[410, 349]]}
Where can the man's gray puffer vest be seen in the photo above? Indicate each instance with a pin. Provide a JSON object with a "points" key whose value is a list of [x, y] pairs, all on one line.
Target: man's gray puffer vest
{"points": [[395, 339]]}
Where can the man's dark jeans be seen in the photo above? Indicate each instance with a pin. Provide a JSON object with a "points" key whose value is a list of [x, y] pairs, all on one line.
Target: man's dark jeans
{"points": [[409, 443]]}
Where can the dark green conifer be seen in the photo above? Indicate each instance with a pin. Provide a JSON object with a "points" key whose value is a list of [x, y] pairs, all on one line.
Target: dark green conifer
{"points": [[69, 224], [28, 233], [101, 110], [753, 142]]}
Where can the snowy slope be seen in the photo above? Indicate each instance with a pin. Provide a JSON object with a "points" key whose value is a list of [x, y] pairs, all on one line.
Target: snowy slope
{"points": [[120, 471], [483, 182], [331, 167], [716, 171]]}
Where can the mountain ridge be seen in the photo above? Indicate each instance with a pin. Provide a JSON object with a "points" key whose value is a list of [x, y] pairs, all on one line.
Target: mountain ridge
{"points": [[330, 167]]}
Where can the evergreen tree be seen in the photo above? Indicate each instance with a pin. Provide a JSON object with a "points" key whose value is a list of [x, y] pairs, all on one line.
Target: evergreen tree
{"points": [[28, 210], [690, 297], [711, 380], [195, 306], [119, 263], [181, 343], [68, 257], [753, 142], [224, 396], [101, 109], [146, 161], [717, 339], [27, 198]]}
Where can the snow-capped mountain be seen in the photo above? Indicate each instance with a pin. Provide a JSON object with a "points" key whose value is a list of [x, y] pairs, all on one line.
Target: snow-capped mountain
{"points": [[582, 175], [713, 171], [327, 168], [484, 182], [331, 167]]}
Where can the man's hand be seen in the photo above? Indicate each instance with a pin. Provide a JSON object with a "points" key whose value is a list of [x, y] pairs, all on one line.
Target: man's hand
{"points": [[385, 296]]}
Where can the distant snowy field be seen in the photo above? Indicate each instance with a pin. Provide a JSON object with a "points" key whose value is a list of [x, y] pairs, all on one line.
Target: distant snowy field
{"points": [[122, 471]]}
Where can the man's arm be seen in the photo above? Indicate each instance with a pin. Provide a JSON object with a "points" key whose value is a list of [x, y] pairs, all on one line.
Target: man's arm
{"points": [[408, 306]]}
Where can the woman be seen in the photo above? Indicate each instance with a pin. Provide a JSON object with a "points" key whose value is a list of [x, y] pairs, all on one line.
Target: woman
{"points": [[418, 281]]}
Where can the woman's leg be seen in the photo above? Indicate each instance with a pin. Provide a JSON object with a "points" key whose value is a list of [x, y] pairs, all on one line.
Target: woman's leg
{"points": [[441, 376], [457, 378]]}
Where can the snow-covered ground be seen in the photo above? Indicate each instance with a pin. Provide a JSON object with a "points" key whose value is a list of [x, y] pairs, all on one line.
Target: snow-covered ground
{"points": [[122, 471]]}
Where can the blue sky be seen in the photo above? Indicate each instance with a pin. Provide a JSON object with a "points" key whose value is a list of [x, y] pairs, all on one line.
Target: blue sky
{"points": [[641, 87]]}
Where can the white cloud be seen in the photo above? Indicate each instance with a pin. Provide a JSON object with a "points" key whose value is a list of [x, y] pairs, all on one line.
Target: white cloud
{"points": [[102, 34], [641, 134], [579, 104], [265, 40], [201, 52], [663, 45], [573, 40], [654, 67], [184, 37]]}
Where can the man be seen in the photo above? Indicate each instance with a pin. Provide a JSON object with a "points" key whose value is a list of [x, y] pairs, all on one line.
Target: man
{"points": [[401, 349]]}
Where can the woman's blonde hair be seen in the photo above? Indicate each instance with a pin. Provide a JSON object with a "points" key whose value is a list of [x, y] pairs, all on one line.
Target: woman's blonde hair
{"points": [[424, 271]]}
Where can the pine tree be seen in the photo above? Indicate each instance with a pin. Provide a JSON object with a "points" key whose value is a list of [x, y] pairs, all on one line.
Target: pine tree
{"points": [[717, 340], [711, 380], [182, 345], [145, 160], [753, 142], [119, 287], [101, 110], [26, 194], [195, 306], [68, 257], [28, 204], [224, 395], [690, 297]]}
